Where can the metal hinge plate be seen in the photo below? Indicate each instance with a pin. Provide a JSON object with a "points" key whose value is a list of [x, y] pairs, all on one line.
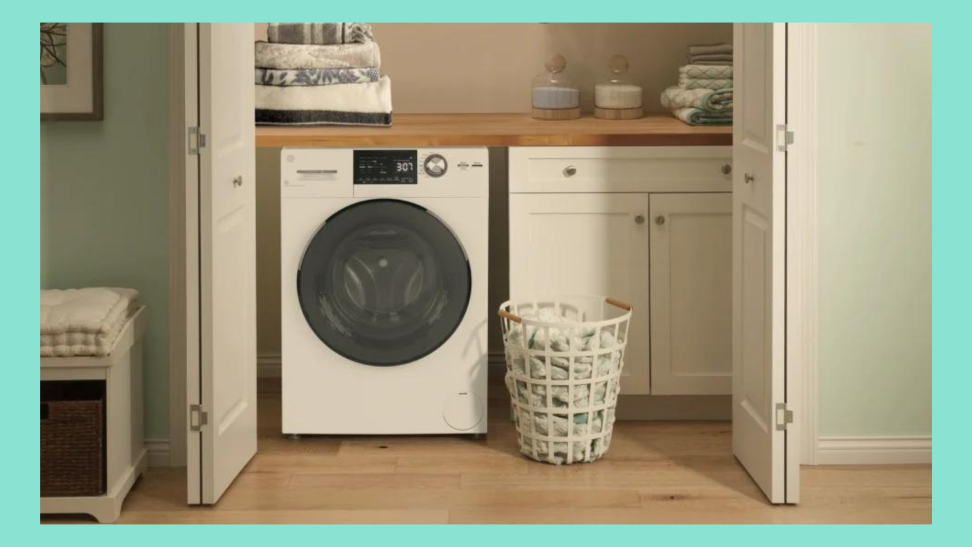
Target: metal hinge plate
{"points": [[197, 418], [197, 141], [784, 137], [784, 417]]}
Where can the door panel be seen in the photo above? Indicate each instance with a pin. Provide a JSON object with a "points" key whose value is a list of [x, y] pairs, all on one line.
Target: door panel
{"points": [[691, 294], [759, 254], [563, 244], [227, 257]]}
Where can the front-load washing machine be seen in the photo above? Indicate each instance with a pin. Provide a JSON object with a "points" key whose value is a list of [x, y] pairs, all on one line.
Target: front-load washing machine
{"points": [[383, 290]]}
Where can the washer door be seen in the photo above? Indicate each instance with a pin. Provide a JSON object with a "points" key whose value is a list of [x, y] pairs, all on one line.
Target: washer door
{"points": [[384, 282]]}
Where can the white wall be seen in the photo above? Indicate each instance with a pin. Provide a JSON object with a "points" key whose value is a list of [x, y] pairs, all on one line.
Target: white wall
{"points": [[875, 184]]}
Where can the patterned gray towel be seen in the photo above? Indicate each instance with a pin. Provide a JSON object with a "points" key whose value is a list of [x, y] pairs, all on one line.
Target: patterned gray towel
{"points": [[322, 34], [710, 49], [367, 103], [703, 83], [289, 56], [316, 76], [719, 100], [706, 71]]}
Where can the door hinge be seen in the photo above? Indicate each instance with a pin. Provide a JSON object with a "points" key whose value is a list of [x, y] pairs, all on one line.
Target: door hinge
{"points": [[197, 417], [784, 416], [784, 137], [197, 141]]}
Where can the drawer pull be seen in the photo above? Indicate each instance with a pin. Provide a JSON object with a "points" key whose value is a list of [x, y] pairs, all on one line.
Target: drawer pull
{"points": [[748, 177], [570, 171], [726, 168]]}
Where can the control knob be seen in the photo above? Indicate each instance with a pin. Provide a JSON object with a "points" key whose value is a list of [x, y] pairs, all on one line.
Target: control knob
{"points": [[435, 165]]}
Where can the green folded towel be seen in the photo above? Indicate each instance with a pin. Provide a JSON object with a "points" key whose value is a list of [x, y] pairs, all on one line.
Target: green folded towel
{"points": [[698, 116], [718, 100]]}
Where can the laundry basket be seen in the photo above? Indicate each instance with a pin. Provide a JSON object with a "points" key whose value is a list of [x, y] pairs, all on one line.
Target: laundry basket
{"points": [[564, 358]]}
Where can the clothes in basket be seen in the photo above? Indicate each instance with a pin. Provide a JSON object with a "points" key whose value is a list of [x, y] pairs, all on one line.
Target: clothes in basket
{"points": [[594, 355]]}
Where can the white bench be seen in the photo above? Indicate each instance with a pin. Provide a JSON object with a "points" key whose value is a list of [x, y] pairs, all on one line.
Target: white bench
{"points": [[126, 455]]}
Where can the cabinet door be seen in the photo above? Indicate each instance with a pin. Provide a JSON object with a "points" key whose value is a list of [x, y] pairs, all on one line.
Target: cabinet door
{"points": [[586, 244], [691, 294]]}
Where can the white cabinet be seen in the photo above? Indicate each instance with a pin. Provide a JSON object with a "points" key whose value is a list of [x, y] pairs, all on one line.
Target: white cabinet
{"points": [[586, 220], [691, 294], [562, 244]]}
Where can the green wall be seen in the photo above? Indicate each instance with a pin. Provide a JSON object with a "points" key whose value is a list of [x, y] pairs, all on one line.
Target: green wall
{"points": [[875, 189], [104, 195]]}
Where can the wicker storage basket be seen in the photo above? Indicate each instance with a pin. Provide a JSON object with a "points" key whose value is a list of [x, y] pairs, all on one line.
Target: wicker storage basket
{"points": [[72, 440], [564, 359]]}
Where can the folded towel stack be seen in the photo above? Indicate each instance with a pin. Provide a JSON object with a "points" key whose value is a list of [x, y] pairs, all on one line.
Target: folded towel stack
{"points": [[703, 95], [321, 74], [78, 322], [711, 55]]}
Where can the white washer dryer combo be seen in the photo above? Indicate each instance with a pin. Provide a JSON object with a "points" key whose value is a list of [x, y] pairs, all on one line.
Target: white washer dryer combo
{"points": [[384, 277]]}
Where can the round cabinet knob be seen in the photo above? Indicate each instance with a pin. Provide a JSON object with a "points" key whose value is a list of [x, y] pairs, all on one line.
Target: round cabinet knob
{"points": [[436, 165], [748, 177], [570, 171], [639, 219], [726, 168], [238, 180], [659, 220]]}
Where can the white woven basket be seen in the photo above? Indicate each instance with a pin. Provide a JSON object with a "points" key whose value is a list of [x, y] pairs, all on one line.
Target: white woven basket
{"points": [[564, 359]]}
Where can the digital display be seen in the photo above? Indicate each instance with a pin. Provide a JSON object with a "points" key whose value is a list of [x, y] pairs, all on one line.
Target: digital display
{"points": [[385, 167]]}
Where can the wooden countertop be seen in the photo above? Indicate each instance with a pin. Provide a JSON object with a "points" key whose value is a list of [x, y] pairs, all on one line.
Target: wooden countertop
{"points": [[499, 130]]}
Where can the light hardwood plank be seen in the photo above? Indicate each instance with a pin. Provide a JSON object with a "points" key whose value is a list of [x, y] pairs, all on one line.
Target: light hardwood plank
{"points": [[655, 472]]}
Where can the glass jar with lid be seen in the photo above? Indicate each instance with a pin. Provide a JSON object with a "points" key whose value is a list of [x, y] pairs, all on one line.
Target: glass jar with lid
{"points": [[553, 95], [616, 96]]}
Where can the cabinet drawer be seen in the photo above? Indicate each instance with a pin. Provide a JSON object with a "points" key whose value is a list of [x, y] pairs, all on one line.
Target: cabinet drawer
{"points": [[573, 169]]}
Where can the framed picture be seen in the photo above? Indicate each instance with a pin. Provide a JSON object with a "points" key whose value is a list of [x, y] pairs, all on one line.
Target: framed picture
{"points": [[71, 71]]}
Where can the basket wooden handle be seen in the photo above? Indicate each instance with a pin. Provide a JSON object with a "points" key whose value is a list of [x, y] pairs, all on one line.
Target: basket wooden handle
{"points": [[619, 303], [510, 316]]}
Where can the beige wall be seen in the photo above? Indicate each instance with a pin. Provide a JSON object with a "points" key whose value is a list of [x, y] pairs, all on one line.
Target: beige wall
{"points": [[488, 67], [480, 67]]}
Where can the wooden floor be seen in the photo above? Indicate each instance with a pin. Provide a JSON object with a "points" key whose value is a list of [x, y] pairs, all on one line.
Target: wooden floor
{"points": [[655, 472]]}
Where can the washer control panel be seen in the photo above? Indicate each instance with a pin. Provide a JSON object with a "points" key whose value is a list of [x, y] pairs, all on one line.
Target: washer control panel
{"points": [[385, 172], [387, 166]]}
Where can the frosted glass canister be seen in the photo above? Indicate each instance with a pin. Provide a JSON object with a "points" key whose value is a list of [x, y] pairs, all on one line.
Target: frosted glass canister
{"points": [[616, 97], [552, 94]]}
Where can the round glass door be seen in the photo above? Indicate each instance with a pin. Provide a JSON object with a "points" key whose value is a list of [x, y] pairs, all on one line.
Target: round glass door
{"points": [[384, 282]]}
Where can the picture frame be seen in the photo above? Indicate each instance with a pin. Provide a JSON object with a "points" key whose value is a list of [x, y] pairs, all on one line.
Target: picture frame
{"points": [[72, 72]]}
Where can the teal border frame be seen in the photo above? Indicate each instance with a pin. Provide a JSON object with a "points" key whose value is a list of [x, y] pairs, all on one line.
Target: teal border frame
{"points": [[952, 258]]}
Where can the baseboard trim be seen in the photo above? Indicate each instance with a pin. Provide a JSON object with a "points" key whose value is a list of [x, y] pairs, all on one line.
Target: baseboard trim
{"points": [[268, 365], [874, 450], [159, 452]]}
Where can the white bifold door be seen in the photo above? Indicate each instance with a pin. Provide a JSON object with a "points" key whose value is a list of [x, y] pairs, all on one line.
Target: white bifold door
{"points": [[761, 408], [221, 382]]}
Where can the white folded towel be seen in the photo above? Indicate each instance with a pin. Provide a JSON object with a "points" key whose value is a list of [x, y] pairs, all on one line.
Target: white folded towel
{"points": [[77, 322]]}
